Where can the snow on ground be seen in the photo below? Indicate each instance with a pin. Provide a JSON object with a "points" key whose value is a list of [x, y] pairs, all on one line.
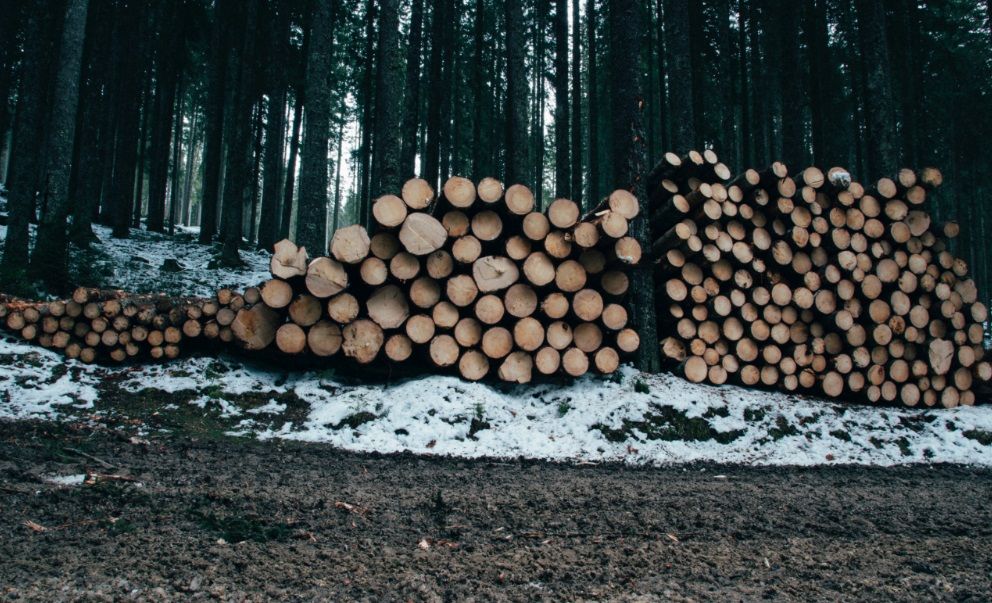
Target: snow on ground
{"points": [[640, 419], [634, 418]]}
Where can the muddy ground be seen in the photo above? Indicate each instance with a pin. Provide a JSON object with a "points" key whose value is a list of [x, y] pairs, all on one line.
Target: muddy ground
{"points": [[233, 519]]}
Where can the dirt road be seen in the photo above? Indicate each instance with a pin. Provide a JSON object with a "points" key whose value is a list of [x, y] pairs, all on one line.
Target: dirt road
{"points": [[233, 519]]}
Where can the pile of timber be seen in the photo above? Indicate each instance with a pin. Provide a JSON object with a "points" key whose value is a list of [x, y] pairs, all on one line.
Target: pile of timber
{"points": [[813, 282], [473, 279]]}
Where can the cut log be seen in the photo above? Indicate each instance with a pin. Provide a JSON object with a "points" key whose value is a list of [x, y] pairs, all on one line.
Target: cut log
{"points": [[417, 193], [288, 260], [459, 192], [517, 368], [277, 293], [343, 308], [398, 347], [254, 328], [350, 245], [291, 339], [489, 190], [362, 341], [473, 365], [388, 307], [519, 200], [305, 310], [493, 273], [389, 211], [326, 277], [324, 338], [422, 234]]}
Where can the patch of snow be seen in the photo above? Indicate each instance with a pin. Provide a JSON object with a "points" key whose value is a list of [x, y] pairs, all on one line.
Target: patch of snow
{"points": [[635, 418], [66, 480]]}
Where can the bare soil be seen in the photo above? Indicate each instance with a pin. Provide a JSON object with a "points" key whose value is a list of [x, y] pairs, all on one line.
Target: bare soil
{"points": [[233, 519]]}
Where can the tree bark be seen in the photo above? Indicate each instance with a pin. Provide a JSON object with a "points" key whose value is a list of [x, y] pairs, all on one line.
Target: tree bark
{"points": [[576, 109], [516, 96], [593, 94], [679, 76], [367, 102], [563, 177], [411, 99], [816, 42], [239, 127], [311, 225], [50, 260], [879, 106], [24, 149], [213, 151], [630, 163], [793, 149], [275, 126], [386, 174], [166, 80]]}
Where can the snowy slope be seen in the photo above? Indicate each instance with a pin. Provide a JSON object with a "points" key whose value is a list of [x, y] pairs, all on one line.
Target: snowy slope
{"points": [[639, 419], [635, 418]]}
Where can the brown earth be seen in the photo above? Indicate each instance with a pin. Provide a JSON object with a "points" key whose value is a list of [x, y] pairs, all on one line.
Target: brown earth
{"points": [[234, 519]]}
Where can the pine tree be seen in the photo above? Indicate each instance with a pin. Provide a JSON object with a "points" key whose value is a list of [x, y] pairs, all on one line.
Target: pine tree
{"points": [[879, 106], [682, 105], [563, 177], [275, 124], [516, 96], [630, 166], [411, 98], [214, 108], [311, 226], [50, 259], [386, 174]]}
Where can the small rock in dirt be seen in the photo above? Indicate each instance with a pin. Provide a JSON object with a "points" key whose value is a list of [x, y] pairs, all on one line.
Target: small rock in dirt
{"points": [[138, 259]]}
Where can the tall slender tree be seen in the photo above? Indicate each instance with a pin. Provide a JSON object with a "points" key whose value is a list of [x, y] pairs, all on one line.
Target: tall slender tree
{"points": [[563, 176], [679, 75], [386, 174], [516, 96], [167, 63], [214, 134], [629, 149], [24, 163], [277, 81], [237, 175], [50, 259], [793, 147], [880, 109], [593, 94], [411, 97], [311, 226], [576, 109]]}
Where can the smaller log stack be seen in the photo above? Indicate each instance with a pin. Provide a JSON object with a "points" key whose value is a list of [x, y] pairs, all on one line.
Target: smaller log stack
{"points": [[476, 281], [812, 282]]}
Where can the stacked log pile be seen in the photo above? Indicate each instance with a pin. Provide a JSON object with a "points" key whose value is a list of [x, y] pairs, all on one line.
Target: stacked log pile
{"points": [[810, 281], [475, 280]]}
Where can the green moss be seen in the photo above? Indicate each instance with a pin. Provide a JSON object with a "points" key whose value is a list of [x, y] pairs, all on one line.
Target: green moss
{"points": [[753, 414], [982, 437], [841, 435], [356, 420], [782, 429], [641, 387], [668, 424]]}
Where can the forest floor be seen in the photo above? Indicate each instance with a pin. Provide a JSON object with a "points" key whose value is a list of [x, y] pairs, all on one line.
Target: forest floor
{"points": [[94, 513], [235, 476]]}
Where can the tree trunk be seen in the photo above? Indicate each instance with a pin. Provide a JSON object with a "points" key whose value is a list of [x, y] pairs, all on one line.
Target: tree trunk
{"points": [[386, 175], [516, 96], [367, 103], [93, 104], [879, 106], [239, 128], [744, 99], [593, 93], [142, 161], [630, 163], [337, 178], [537, 123], [50, 260], [213, 151], [294, 152], [563, 178], [679, 76], [435, 96], [128, 40], [819, 66], [576, 110], [311, 225], [23, 172], [411, 98], [167, 76], [177, 154], [793, 149], [275, 126]]}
